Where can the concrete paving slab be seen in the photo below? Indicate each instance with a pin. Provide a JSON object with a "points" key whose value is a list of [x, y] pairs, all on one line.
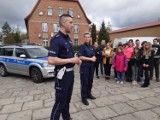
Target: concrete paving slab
{"points": [[33, 105], [83, 115], [146, 115], [7, 101], [140, 105], [11, 108], [24, 99], [3, 117], [122, 108], [125, 117], [103, 113], [42, 113], [23, 115]]}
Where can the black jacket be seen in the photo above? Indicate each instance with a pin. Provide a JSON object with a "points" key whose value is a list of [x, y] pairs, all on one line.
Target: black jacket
{"points": [[156, 49], [135, 60], [98, 54]]}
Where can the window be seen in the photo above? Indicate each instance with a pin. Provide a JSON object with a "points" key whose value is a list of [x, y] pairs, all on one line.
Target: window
{"points": [[56, 27], [44, 27], [70, 12], [45, 42], [19, 52], [76, 28], [50, 11], [60, 11], [75, 41], [7, 51]]}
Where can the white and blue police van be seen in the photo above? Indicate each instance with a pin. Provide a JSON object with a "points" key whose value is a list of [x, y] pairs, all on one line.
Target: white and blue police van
{"points": [[28, 60]]}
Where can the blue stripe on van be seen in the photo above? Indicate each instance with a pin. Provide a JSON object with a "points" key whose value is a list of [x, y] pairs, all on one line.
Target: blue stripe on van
{"points": [[23, 62]]}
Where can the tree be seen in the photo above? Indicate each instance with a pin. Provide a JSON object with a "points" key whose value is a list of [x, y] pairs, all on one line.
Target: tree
{"points": [[93, 33], [10, 39], [6, 29], [23, 36], [17, 37], [103, 34]]}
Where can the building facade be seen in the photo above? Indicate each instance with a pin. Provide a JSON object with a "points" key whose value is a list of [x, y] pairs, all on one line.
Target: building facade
{"points": [[145, 30], [43, 21]]}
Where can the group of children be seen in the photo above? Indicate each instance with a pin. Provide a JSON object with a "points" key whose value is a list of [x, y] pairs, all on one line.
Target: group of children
{"points": [[136, 63]]}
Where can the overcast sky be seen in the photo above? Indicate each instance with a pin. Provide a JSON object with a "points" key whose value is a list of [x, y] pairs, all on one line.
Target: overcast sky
{"points": [[121, 13]]}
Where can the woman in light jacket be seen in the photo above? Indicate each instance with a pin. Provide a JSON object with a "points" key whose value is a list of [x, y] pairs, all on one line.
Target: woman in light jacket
{"points": [[107, 60]]}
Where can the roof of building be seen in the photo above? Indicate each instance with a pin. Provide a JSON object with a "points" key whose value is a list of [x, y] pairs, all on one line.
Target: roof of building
{"points": [[28, 17], [151, 24]]}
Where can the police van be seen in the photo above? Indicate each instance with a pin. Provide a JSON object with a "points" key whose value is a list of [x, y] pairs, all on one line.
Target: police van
{"points": [[28, 60]]}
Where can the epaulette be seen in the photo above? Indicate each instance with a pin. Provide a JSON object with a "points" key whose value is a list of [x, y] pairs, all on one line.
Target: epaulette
{"points": [[57, 35]]}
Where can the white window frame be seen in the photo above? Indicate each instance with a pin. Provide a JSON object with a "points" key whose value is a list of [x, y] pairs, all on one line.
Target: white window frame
{"points": [[71, 12], [60, 11], [50, 11], [76, 28], [44, 27], [76, 41], [56, 27], [45, 42]]}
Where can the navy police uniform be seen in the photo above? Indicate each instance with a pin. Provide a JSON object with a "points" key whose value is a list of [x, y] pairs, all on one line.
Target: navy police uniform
{"points": [[61, 47], [86, 70]]}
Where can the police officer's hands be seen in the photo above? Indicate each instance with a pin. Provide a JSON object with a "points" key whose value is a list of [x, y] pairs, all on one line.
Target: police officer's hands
{"points": [[75, 60], [80, 61], [93, 59]]}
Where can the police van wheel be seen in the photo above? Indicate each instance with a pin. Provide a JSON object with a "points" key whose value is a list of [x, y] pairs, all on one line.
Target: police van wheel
{"points": [[36, 75], [3, 70]]}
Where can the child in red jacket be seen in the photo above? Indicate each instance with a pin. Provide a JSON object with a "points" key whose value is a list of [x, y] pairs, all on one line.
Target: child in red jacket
{"points": [[120, 64]]}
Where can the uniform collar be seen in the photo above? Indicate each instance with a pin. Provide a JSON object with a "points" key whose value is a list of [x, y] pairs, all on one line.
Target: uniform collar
{"points": [[86, 44], [64, 35]]}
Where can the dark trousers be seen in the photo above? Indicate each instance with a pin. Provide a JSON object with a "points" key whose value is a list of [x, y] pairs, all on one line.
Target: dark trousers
{"points": [[86, 77], [115, 73], [146, 80], [96, 66], [156, 66], [101, 67], [128, 73], [107, 69], [63, 95]]}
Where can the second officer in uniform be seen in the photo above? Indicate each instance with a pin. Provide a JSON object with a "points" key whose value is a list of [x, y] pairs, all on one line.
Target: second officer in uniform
{"points": [[86, 54]]}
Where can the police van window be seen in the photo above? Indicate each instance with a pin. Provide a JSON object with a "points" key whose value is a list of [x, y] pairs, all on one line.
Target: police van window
{"points": [[8, 52], [2, 51], [19, 52]]}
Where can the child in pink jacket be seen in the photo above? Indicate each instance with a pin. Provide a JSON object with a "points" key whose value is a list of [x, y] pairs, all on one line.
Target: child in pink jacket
{"points": [[120, 64]]}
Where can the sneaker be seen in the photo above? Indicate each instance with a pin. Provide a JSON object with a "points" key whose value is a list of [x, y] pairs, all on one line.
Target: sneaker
{"points": [[118, 82], [121, 82], [134, 82]]}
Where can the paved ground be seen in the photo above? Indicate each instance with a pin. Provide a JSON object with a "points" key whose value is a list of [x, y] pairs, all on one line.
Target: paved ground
{"points": [[21, 99]]}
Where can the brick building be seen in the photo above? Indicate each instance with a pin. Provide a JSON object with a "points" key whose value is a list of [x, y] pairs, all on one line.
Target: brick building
{"points": [[145, 30], [42, 22]]}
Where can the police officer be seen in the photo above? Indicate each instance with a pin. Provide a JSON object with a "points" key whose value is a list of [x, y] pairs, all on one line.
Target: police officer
{"points": [[62, 56], [86, 54]]}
